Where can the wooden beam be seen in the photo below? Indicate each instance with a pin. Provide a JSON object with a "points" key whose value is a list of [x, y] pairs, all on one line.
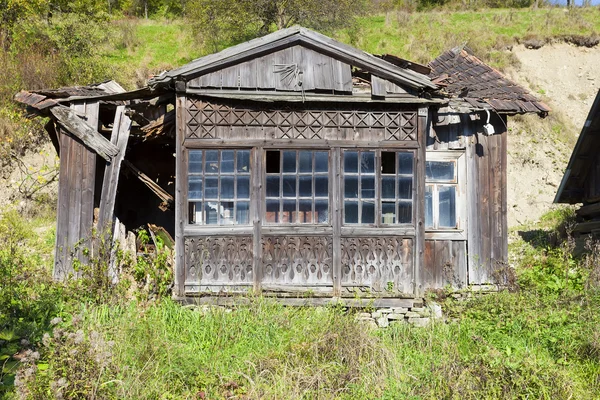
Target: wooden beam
{"points": [[589, 209], [588, 226], [89, 135], [162, 194], [119, 137]]}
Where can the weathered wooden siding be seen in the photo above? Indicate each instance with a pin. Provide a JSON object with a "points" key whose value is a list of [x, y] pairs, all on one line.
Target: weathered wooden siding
{"points": [[445, 264], [486, 177], [294, 69], [592, 182], [75, 197]]}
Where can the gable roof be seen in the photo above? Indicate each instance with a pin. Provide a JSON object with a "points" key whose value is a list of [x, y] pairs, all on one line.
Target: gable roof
{"points": [[286, 38], [571, 189], [470, 79]]}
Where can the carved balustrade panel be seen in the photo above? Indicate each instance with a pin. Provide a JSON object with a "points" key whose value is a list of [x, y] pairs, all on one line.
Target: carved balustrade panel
{"points": [[303, 260], [218, 261], [382, 264]]}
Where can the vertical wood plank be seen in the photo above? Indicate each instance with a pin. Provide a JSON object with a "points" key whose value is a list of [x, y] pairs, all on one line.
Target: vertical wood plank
{"points": [[474, 230], [342, 76], [62, 217], [230, 77], [378, 86], [119, 137], [257, 210], [423, 127], [264, 72], [336, 220], [503, 186], [180, 176], [88, 184], [248, 74]]}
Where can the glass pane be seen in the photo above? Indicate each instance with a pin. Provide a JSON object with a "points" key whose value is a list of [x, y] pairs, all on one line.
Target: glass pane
{"points": [[273, 158], [211, 186], [428, 206], [195, 161], [289, 161], [388, 187], [227, 187], [305, 161], [289, 186], [288, 215], [321, 161], [272, 186], [243, 187], [388, 162], [351, 161], [211, 161], [447, 196], [195, 212], [210, 210], [305, 186], [243, 161], [305, 211], [405, 188], [321, 186], [367, 162], [388, 213], [351, 187], [272, 211], [227, 161], [405, 163], [368, 213], [350, 212], [439, 170], [321, 211], [195, 187], [405, 212], [226, 213], [367, 188], [243, 212]]}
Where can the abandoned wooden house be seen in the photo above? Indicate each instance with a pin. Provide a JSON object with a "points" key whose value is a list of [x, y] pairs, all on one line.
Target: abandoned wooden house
{"points": [[297, 166], [581, 181]]}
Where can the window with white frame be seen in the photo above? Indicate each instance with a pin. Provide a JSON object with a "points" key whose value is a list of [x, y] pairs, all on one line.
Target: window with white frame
{"points": [[219, 187], [444, 181]]}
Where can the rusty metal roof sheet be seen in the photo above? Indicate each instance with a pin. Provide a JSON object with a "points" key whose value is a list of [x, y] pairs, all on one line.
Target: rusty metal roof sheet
{"points": [[465, 76]]}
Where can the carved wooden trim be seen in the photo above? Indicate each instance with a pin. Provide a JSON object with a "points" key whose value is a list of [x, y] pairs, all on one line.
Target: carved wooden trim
{"points": [[379, 263], [211, 120], [218, 260], [297, 260]]}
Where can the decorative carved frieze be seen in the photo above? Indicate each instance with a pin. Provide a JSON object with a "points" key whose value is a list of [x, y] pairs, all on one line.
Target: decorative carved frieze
{"points": [[380, 263], [205, 120], [218, 260], [302, 260]]}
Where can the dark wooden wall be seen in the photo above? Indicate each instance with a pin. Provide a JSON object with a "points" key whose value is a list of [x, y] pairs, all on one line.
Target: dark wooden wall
{"points": [[75, 196]]}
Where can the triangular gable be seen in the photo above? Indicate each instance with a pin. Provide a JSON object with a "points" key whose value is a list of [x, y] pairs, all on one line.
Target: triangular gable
{"points": [[288, 38]]}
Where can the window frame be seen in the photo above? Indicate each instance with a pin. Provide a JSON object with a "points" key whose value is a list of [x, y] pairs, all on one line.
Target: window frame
{"points": [[281, 198], [218, 175], [460, 183], [378, 184]]}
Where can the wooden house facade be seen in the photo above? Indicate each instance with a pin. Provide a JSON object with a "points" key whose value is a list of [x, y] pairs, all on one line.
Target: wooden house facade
{"points": [[303, 167]]}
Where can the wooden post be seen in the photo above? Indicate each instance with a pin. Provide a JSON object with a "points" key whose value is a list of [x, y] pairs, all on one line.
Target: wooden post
{"points": [[180, 207], [256, 168], [423, 127], [336, 221]]}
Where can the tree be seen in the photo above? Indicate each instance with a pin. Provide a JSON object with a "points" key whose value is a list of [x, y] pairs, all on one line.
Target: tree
{"points": [[221, 22]]}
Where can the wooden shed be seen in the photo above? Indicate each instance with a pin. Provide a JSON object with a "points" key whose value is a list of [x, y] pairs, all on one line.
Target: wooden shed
{"points": [[299, 167], [581, 182]]}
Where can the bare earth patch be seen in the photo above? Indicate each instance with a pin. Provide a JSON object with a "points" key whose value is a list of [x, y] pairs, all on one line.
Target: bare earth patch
{"points": [[567, 78]]}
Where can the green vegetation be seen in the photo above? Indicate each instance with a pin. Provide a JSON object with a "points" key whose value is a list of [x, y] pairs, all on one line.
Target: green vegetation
{"points": [[541, 339]]}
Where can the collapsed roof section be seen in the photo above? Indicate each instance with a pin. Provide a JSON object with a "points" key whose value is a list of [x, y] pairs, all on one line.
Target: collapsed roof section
{"points": [[466, 79]]}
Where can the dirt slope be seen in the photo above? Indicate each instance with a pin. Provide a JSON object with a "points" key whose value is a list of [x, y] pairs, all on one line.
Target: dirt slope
{"points": [[567, 78]]}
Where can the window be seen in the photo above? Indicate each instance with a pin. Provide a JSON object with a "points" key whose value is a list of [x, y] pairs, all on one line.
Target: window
{"points": [[219, 187], [362, 202], [442, 191], [297, 187]]}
